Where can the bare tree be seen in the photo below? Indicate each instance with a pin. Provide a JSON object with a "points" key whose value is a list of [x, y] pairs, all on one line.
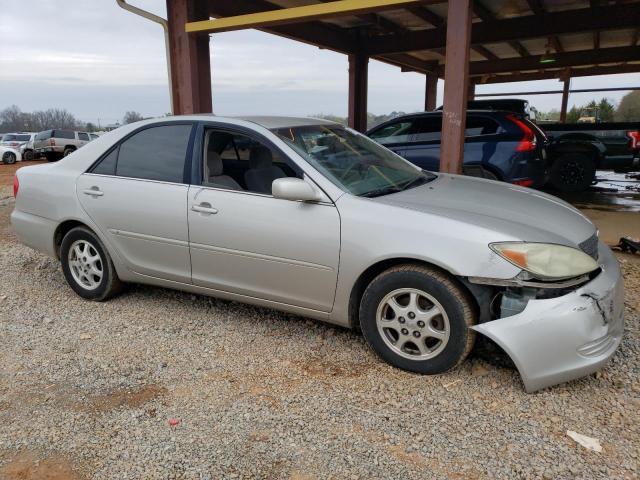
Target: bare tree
{"points": [[12, 119], [131, 117]]}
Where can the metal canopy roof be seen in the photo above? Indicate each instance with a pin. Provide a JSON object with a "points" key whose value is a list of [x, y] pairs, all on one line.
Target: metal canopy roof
{"points": [[512, 40]]}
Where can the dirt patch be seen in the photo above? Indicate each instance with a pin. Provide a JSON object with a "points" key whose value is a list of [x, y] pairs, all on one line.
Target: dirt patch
{"points": [[28, 466], [613, 225], [325, 368], [126, 398]]}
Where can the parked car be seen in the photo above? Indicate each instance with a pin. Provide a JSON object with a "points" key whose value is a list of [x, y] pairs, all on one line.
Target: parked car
{"points": [[579, 149], [313, 218], [9, 155], [57, 143], [498, 145], [23, 142]]}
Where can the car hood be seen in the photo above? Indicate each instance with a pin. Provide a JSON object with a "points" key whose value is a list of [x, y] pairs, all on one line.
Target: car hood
{"points": [[516, 212]]}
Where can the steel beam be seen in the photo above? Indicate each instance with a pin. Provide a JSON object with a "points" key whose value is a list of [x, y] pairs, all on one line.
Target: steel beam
{"points": [[313, 33], [456, 83], [567, 59], [551, 74], [302, 14], [515, 29], [189, 56], [358, 90], [556, 92]]}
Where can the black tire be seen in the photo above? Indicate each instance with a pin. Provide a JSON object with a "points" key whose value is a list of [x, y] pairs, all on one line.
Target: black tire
{"points": [[50, 156], [29, 155], [109, 284], [9, 158], [572, 172], [68, 151], [452, 298]]}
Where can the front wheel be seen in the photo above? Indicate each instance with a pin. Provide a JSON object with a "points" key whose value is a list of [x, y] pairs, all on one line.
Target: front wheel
{"points": [[417, 318], [9, 158], [87, 266]]}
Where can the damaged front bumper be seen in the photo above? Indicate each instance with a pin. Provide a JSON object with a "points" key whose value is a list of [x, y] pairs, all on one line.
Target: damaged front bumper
{"points": [[560, 339]]}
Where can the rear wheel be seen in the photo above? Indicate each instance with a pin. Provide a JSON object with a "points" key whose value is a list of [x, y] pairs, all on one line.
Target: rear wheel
{"points": [[9, 158], [87, 266], [50, 156], [417, 318], [28, 155], [572, 172], [68, 151]]}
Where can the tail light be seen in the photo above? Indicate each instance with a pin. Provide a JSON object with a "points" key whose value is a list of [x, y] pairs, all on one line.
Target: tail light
{"points": [[635, 139], [527, 182], [528, 143], [52, 142], [16, 186], [14, 144]]}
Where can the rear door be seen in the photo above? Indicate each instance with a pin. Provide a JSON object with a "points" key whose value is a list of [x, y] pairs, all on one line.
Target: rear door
{"points": [[423, 143], [137, 195]]}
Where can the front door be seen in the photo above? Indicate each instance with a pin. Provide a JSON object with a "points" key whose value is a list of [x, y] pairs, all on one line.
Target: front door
{"points": [[137, 197], [248, 242]]}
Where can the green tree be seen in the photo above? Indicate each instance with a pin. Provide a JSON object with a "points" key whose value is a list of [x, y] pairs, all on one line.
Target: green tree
{"points": [[629, 108], [574, 114], [607, 110]]}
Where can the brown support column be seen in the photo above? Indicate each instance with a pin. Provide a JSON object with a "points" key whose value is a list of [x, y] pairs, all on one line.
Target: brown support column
{"points": [[565, 100], [471, 91], [358, 86], [456, 81], [189, 56], [431, 91]]}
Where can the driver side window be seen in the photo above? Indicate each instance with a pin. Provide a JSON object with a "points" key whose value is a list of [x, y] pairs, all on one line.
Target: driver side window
{"points": [[234, 161]]}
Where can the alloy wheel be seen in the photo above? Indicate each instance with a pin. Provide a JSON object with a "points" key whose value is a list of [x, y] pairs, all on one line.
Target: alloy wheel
{"points": [[413, 324], [86, 264]]}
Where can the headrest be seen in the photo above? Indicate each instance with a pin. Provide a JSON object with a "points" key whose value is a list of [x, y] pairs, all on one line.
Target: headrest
{"points": [[260, 157], [214, 163]]}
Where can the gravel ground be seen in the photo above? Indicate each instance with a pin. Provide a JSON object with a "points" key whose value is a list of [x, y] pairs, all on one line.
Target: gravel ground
{"points": [[162, 384]]}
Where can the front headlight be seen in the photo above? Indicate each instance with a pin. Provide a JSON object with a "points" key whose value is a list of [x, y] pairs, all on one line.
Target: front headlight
{"points": [[545, 260]]}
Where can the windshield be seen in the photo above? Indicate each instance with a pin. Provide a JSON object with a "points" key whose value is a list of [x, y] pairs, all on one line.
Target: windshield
{"points": [[352, 161]]}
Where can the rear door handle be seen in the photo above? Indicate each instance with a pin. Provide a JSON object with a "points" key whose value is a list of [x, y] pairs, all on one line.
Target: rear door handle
{"points": [[204, 208], [93, 191]]}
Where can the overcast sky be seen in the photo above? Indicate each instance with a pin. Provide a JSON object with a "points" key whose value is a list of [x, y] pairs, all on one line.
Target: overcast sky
{"points": [[98, 61]]}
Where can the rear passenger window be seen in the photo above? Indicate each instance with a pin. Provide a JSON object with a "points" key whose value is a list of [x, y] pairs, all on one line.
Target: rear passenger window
{"points": [[83, 136], [156, 153], [64, 134], [107, 165], [477, 126]]}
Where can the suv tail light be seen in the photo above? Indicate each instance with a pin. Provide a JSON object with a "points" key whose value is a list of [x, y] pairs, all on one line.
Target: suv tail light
{"points": [[14, 144], [528, 143], [635, 139], [16, 186], [52, 142]]}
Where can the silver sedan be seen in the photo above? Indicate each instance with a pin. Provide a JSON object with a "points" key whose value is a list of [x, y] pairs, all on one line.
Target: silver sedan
{"points": [[313, 218]]}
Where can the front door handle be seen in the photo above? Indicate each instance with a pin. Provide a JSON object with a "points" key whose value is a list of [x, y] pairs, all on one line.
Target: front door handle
{"points": [[204, 208], [93, 191]]}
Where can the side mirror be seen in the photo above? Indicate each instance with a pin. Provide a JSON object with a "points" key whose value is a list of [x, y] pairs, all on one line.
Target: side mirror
{"points": [[293, 189]]}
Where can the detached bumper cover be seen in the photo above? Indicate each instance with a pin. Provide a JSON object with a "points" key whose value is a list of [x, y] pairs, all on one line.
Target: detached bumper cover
{"points": [[561, 339]]}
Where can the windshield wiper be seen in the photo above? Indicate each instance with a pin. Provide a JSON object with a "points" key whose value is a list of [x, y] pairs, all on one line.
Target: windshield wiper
{"points": [[381, 191]]}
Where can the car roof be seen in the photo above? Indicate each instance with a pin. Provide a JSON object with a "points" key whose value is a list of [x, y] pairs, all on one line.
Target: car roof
{"points": [[284, 122]]}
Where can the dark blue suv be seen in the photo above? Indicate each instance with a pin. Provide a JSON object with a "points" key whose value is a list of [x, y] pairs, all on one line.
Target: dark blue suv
{"points": [[499, 145]]}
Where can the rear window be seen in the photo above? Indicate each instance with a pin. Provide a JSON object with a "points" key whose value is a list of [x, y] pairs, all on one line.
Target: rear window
{"points": [[477, 126], [44, 135], [70, 134]]}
